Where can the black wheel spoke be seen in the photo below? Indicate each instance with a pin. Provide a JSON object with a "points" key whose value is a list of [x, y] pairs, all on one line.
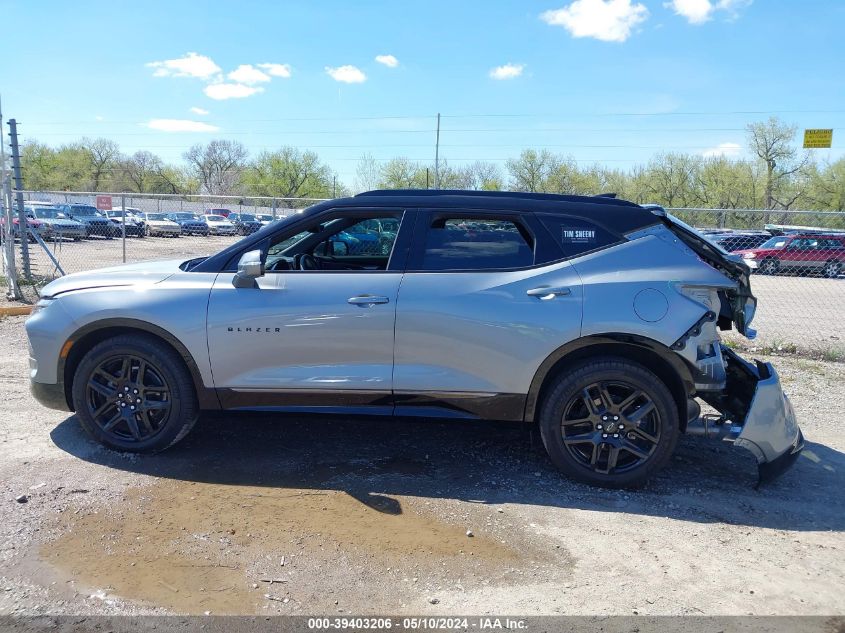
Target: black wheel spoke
{"points": [[584, 438], [634, 449], [103, 390], [112, 422], [145, 419], [612, 456], [132, 423], [577, 421], [637, 416], [629, 401], [644, 434]]}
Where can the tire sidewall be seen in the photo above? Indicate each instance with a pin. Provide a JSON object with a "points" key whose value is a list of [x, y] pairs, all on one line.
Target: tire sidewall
{"points": [[608, 370], [184, 406]]}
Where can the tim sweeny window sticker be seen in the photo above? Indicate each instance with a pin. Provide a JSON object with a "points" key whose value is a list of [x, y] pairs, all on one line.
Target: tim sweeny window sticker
{"points": [[577, 236]]}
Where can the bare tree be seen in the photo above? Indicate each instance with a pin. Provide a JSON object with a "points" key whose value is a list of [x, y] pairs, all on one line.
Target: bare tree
{"points": [[367, 174], [530, 172], [217, 166], [772, 142], [142, 170], [104, 156], [483, 176]]}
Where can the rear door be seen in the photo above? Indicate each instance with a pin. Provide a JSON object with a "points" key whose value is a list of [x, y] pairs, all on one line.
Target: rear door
{"points": [[478, 312]]}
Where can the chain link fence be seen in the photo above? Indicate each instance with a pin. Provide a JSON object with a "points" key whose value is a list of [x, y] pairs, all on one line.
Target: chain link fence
{"points": [[798, 256]]}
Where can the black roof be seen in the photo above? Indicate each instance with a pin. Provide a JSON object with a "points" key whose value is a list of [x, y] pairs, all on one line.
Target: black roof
{"points": [[614, 214]]}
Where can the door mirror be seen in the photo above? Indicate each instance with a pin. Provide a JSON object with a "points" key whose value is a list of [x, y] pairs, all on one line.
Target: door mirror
{"points": [[250, 268]]}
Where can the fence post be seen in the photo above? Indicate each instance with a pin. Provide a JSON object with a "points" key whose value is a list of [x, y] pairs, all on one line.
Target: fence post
{"points": [[23, 225], [8, 243], [123, 206], [274, 208]]}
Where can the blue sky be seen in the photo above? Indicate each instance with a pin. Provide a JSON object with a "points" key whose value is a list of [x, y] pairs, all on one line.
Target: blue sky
{"points": [[608, 81]]}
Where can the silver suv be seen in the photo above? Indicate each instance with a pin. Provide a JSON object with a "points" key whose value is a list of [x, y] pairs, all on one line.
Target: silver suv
{"points": [[595, 318]]}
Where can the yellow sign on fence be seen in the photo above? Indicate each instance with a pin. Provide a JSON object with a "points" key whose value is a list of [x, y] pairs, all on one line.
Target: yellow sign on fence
{"points": [[817, 139]]}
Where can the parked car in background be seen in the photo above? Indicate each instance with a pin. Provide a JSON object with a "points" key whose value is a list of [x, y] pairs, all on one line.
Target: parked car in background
{"points": [[33, 225], [245, 223], [815, 254], [190, 223], [264, 218], [732, 241], [224, 212], [219, 225], [59, 225], [95, 222], [134, 224], [158, 224]]}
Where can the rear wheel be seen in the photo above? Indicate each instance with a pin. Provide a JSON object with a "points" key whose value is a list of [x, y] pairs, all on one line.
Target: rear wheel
{"points": [[134, 393], [832, 269], [769, 266], [609, 422]]}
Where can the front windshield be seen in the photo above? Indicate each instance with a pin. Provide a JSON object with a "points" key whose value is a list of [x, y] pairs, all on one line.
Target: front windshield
{"points": [[185, 216], [86, 211], [246, 217], [47, 212], [775, 242], [215, 218], [155, 216]]}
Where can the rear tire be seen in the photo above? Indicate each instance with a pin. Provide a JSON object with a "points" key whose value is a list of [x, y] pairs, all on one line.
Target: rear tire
{"points": [[769, 266], [609, 422], [134, 393], [832, 269]]}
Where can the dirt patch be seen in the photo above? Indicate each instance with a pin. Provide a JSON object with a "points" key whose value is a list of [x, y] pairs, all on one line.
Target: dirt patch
{"points": [[195, 547]]}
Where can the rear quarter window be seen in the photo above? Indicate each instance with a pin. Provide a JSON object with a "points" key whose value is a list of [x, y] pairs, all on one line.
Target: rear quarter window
{"points": [[576, 236], [467, 243]]}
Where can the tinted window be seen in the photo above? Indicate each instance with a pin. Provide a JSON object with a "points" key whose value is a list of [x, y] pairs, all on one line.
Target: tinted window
{"points": [[576, 236], [476, 244]]}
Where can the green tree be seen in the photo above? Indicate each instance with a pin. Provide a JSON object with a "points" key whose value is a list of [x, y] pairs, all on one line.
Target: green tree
{"points": [[772, 142], [289, 173]]}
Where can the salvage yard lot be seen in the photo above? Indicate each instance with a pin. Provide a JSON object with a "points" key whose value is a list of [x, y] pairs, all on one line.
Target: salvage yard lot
{"points": [[303, 515]]}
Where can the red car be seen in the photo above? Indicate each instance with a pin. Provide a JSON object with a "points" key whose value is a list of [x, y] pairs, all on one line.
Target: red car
{"points": [[34, 225], [804, 253]]}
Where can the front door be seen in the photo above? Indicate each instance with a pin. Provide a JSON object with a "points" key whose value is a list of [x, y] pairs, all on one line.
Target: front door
{"points": [[317, 330]]}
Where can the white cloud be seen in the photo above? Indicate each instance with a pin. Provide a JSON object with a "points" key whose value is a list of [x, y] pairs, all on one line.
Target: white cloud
{"points": [[508, 71], [231, 91], [199, 111], [191, 65], [606, 20], [388, 60], [276, 70], [346, 74], [728, 150], [248, 74], [180, 125], [701, 11]]}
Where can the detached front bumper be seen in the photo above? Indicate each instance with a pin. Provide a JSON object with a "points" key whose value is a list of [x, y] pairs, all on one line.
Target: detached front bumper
{"points": [[761, 416]]}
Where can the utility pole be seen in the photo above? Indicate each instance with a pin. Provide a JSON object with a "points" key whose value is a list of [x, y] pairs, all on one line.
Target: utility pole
{"points": [[437, 156], [23, 226], [334, 186], [6, 230]]}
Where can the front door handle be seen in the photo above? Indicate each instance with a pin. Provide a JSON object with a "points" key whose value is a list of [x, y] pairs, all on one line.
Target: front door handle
{"points": [[548, 292], [367, 300]]}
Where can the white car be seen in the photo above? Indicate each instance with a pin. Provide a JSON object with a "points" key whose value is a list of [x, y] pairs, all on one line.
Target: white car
{"points": [[158, 224], [219, 225]]}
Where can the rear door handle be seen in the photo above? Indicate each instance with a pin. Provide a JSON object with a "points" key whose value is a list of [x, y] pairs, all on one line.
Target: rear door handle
{"points": [[367, 300], [548, 292]]}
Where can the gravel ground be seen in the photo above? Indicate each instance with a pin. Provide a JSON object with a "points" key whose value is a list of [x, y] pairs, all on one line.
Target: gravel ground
{"points": [[256, 514]]}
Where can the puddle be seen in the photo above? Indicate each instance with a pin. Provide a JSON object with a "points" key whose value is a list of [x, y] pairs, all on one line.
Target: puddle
{"points": [[194, 547]]}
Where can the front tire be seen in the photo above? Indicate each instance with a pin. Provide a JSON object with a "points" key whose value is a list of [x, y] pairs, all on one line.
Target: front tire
{"points": [[609, 422], [134, 393], [832, 269], [769, 266]]}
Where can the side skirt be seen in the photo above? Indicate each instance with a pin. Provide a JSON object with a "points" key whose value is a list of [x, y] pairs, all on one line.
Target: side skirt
{"points": [[460, 405]]}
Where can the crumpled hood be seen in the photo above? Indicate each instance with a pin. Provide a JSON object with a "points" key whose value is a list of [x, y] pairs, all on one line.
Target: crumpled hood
{"points": [[144, 273]]}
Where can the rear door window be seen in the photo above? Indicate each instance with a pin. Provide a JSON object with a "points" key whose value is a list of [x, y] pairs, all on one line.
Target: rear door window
{"points": [[465, 242]]}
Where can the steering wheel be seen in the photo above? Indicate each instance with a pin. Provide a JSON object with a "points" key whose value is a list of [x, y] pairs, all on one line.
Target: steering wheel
{"points": [[305, 261]]}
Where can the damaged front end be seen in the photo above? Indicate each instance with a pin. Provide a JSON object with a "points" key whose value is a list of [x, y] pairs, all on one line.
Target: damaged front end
{"points": [[754, 412]]}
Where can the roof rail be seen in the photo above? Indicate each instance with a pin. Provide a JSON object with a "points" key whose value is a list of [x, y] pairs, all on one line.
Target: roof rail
{"points": [[604, 198]]}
